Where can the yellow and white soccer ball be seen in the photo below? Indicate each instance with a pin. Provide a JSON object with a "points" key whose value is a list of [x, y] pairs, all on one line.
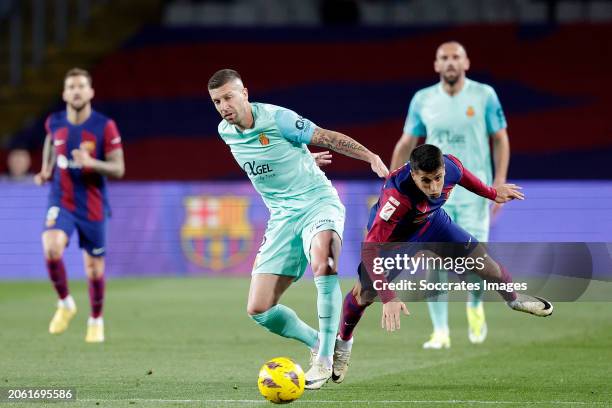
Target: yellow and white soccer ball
{"points": [[281, 380]]}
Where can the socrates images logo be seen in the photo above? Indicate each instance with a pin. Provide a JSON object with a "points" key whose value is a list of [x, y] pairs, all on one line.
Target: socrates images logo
{"points": [[217, 233]]}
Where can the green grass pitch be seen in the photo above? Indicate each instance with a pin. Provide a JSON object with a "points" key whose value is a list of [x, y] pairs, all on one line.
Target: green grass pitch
{"points": [[188, 342]]}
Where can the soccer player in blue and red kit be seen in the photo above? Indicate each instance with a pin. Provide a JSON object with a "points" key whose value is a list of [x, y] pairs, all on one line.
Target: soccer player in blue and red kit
{"points": [[81, 149], [409, 209]]}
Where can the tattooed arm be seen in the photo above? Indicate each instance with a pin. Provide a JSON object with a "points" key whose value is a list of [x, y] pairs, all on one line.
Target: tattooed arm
{"points": [[347, 146], [340, 143]]}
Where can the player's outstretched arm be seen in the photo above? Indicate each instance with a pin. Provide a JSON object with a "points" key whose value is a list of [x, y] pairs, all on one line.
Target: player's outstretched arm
{"points": [[501, 156], [347, 146], [500, 194], [48, 159], [508, 192], [501, 160], [113, 166]]}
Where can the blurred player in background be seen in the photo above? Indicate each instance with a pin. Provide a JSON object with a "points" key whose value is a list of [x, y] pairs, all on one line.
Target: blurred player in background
{"points": [[461, 117], [18, 166], [81, 149], [306, 215]]}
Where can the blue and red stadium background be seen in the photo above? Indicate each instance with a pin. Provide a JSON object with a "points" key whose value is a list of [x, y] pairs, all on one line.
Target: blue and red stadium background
{"points": [[554, 83], [204, 228]]}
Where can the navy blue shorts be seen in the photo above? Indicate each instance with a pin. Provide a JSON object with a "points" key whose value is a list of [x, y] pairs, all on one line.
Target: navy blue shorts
{"points": [[440, 228], [92, 234], [439, 235]]}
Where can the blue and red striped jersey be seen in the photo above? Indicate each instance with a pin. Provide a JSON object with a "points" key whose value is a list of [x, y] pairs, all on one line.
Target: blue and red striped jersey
{"points": [[76, 189], [403, 210]]}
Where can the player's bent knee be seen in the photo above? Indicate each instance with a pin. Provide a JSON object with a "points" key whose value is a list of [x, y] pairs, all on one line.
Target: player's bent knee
{"points": [[365, 297], [54, 243], [491, 270], [256, 309], [324, 267], [53, 251], [321, 268], [94, 267], [95, 274], [53, 254]]}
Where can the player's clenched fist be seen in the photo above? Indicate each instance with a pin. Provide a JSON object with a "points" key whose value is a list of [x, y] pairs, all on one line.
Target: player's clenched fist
{"points": [[82, 157], [508, 192], [42, 177]]}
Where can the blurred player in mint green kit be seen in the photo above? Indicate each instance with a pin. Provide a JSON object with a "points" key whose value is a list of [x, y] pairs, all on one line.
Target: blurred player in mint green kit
{"points": [[306, 215], [461, 117]]}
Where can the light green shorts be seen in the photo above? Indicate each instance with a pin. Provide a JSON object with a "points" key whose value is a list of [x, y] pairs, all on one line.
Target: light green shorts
{"points": [[285, 249], [474, 217]]}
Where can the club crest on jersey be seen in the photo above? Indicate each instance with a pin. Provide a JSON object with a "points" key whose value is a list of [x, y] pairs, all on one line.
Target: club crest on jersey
{"points": [[88, 145], [216, 233], [263, 139], [470, 112], [422, 212]]}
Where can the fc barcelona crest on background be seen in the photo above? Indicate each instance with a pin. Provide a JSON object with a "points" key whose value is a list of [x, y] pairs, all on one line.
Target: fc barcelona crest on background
{"points": [[216, 234]]}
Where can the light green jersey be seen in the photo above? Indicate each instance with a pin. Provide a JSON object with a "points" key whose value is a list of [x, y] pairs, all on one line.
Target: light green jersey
{"points": [[459, 125], [274, 156]]}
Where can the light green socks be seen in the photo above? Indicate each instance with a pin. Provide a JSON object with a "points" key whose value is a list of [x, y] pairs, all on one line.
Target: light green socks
{"points": [[438, 304], [284, 321], [329, 305], [475, 296]]}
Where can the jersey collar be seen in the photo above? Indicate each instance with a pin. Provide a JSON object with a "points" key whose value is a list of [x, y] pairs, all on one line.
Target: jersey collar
{"points": [[466, 85]]}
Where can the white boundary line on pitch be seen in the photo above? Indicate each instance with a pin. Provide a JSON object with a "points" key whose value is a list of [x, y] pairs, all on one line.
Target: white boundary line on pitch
{"points": [[262, 401]]}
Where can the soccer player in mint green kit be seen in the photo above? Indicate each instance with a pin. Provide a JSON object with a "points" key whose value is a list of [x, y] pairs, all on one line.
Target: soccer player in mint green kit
{"points": [[461, 117], [306, 215]]}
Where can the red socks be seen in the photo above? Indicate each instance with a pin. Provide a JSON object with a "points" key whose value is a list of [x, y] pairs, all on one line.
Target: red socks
{"points": [[351, 314], [96, 296], [57, 274]]}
